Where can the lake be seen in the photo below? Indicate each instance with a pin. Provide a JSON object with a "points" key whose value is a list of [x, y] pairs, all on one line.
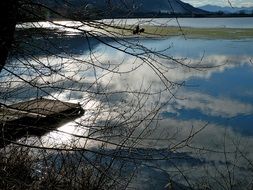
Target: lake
{"points": [[200, 129]]}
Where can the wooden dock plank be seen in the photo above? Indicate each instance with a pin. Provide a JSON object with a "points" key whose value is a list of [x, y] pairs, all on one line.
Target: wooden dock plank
{"points": [[34, 117]]}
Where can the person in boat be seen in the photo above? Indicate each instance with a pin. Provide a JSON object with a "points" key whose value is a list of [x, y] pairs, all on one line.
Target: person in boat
{"points": [[137, 30]]}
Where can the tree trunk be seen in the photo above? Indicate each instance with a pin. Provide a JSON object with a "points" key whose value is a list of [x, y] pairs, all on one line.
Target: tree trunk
{"points": [[8, 20]]}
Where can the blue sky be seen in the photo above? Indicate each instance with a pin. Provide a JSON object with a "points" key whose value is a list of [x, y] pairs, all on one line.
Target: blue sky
{"points": [[235, 3]]}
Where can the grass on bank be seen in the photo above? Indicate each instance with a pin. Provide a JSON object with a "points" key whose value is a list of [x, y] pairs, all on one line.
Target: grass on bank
{"points": [[168, 31]]}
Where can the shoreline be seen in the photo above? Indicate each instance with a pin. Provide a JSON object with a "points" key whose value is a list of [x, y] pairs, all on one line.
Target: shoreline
{"points": [[126, 30], [188, 32]]}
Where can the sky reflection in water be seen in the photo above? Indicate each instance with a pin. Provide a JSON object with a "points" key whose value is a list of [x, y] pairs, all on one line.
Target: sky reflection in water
{"points": [[221, 96]]}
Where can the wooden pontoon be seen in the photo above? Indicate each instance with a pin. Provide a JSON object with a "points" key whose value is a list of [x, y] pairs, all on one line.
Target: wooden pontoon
{"points": [[34, 117]]}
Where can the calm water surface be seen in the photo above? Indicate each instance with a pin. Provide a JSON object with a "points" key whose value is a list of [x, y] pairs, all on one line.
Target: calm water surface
{"points": [[218, 96]]}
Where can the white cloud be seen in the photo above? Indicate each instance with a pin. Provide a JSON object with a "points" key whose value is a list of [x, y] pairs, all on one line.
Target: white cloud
{"points": [[213, 106]]}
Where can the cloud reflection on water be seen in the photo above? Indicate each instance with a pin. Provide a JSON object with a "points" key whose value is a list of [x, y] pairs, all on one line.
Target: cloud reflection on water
{"points": [[134, 75], [88, 83]]}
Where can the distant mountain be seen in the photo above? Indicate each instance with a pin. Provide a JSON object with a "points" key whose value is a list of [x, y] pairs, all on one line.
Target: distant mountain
{"points": [[227, 9], [164, 6], [134, 6]]}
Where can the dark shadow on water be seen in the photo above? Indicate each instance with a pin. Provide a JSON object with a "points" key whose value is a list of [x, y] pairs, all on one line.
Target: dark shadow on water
{"points": [[48, 42], [27, 127]]}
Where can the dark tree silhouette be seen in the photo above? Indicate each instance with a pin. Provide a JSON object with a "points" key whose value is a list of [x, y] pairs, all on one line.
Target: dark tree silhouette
{"points": [[8, 21]]}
